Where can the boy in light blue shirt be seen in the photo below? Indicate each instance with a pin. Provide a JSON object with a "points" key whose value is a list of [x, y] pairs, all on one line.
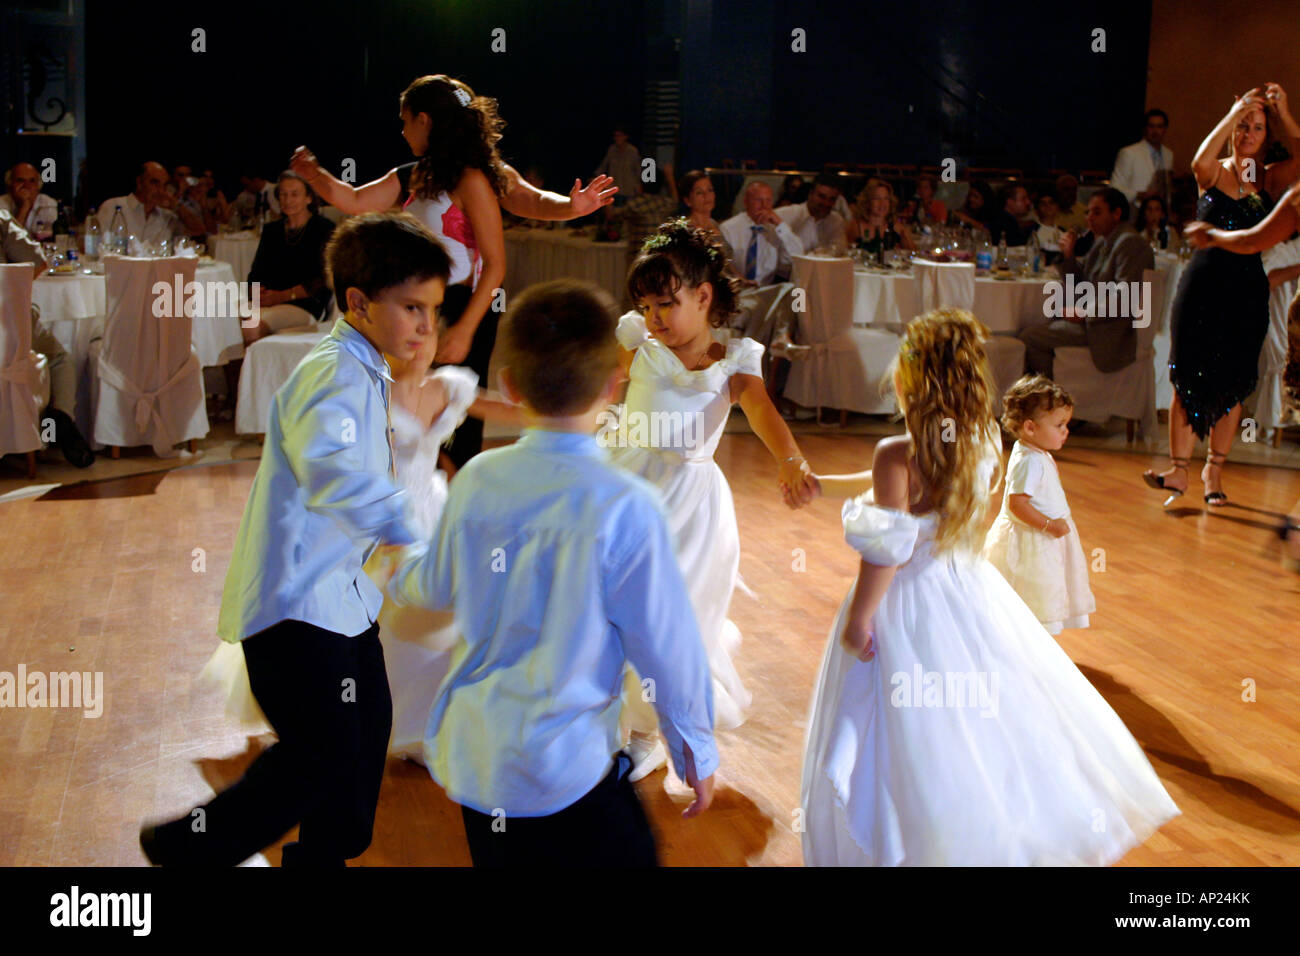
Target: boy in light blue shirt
{"points": [[561, 572], [324, 498]]}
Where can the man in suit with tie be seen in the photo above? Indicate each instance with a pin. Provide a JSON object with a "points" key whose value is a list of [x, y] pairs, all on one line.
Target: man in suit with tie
{"points": [[1143, 169], [761, 241]]}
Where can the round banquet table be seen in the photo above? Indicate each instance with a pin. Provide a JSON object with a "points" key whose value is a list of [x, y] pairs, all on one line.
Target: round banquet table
{"points": [[236, 248], [538, 255]]}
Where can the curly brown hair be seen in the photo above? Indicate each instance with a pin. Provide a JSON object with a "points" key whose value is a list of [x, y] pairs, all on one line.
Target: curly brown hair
{"points": [[678, 255], [463, 136], [1031, 395], [947, 396]]}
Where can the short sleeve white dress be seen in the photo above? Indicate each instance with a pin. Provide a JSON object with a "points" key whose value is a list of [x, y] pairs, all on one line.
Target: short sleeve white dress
{"points": [[667, 432], [1050, 574]]}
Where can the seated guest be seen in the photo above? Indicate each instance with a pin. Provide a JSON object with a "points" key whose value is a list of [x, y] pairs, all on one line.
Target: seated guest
{"points": [[257, 191], [699, 199], [1049, 229], [1118, 254], [1014, 221], [177, 187], [816, 222], [924, 208], [644, 213], [17, 246], [216, 210], [793, 191], [761, 241], [1074, 214], [146, 218], [871, 225], [290, 262], [978, 208], [189, 209], [1155, 226], [23, 199]]}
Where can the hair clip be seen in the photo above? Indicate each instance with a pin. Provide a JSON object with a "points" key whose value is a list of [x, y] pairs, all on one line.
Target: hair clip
{"points": [[462, 96]]}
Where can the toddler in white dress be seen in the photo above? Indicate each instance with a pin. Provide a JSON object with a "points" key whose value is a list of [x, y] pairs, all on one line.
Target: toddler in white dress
{"points": [[1034, 542]]}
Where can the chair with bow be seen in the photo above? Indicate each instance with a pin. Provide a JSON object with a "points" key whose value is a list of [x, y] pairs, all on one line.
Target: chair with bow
{"points": [[838, 366], [24, 375], [147, 386], [952, 285]]}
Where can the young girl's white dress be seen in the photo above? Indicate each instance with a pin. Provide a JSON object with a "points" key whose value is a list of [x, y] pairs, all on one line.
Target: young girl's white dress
{"points": [[970, 739], [671, 423], [417, 642], [1050, 574]]}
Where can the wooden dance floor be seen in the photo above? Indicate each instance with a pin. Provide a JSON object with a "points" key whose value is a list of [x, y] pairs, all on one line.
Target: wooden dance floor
{"points": [[1194, 610]]}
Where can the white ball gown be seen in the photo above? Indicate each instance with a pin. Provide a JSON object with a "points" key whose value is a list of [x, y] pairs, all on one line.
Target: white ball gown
{"points": [[670, 426], [970, 739], [417, 642], [1050, 574]]}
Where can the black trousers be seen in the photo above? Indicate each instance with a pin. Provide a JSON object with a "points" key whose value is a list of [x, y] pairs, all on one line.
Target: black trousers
{"points": [[468, 439], [605, 828], [326, 695]]}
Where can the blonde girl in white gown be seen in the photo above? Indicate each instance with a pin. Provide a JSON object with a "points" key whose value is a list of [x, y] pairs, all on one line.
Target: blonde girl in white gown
{"points": [[1034, 541], [682, 385], [426, 409], [947, 726]]}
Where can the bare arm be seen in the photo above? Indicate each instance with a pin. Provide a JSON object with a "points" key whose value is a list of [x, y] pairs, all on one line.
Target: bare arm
{"points": [[844, 486], [890, 468], [1280, 276], [375, 196], [1205, 164], [484, 214], [794, 474], [525, 200], [1019, 506]]}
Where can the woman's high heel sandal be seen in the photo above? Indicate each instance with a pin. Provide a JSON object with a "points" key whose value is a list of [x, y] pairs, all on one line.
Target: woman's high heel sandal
{"points": [[1158, 481], [1215, 499]]}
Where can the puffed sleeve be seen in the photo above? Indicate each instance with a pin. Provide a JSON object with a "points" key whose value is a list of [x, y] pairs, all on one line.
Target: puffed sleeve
{"points": [[631, 330], [1024, 474], [882, 536], [462, 388], [747, 356]]}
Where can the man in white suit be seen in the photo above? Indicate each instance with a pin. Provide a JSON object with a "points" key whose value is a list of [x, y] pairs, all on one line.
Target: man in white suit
{"points": [[1144, 169]]}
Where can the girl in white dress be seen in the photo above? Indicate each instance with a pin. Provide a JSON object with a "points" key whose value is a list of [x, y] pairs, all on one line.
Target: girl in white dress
{"points": [[947, 727], [682, 384], [1034, 542], [426, 409]]}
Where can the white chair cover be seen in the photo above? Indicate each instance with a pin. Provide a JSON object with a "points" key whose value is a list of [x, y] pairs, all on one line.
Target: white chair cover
{"points": [[267, 365], [944, 285], [1006, 355], [24, 375], [1129, 393], [1267, 405], [845, 366], [148, 387]]}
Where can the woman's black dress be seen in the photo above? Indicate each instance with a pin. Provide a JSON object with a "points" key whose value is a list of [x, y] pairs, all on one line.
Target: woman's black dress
{"points": [[1220, 316]]}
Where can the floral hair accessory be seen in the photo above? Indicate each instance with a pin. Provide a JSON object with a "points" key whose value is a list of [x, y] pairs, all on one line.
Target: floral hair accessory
{"points": [[462, 96]]}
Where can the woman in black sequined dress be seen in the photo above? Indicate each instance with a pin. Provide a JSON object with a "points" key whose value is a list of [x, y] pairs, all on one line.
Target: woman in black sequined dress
{"points": [[1220, 314]]}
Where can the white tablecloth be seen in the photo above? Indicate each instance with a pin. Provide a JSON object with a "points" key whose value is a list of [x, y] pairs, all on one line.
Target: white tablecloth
{"points": [[538, 255], [236, 248], [73, 308], [889, 300]]}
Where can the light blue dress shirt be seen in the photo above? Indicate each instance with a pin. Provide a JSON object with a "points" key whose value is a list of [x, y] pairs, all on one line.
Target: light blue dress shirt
{"points": [[324, 497], [561, 570]]}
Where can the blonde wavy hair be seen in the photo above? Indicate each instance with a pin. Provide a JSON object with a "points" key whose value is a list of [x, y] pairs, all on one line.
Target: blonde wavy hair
{"points": [[948, 401]]}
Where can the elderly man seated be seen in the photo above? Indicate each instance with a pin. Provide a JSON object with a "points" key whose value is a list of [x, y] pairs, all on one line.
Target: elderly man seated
{"points": [[147, 217], [1118, 254], [23, 199], [17, 246], [762, 241], [815, 222]]}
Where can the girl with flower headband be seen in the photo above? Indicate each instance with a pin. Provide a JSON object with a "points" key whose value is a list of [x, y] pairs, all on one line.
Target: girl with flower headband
{"points": [[457, 188], [682, 385], [948, 727]]}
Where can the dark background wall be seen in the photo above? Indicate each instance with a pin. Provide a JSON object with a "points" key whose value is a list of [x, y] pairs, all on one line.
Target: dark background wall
{"points": [[1012, 83]]}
